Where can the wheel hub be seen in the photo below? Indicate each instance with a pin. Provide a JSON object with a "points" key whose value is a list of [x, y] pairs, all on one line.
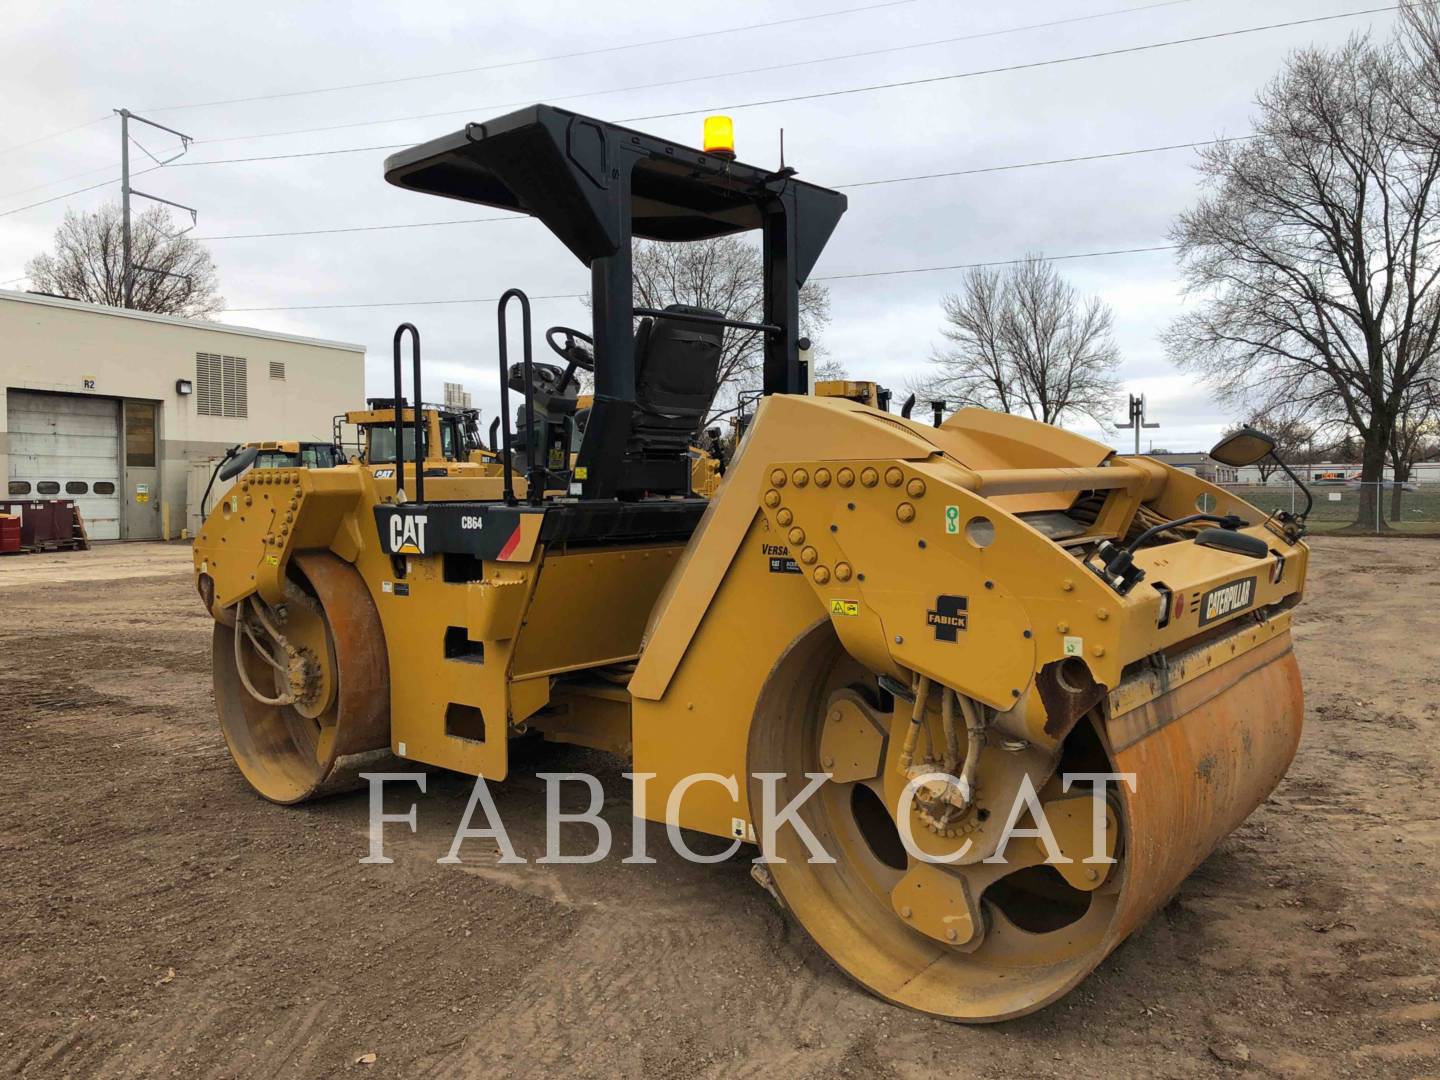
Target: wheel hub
{"points": [[304, 677]]}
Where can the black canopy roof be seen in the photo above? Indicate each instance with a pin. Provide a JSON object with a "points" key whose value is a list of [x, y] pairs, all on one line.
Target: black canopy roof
{"points": [[566, 170]]}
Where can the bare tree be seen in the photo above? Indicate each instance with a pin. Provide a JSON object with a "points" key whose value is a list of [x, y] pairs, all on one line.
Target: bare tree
{"points": [[1313, 250], [1023, 340], [1415, 435], [724, 275], [174, 274], [1420, 47]]}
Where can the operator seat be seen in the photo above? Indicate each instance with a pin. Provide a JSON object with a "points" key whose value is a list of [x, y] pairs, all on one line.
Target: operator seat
{"points": [[677, 370]]}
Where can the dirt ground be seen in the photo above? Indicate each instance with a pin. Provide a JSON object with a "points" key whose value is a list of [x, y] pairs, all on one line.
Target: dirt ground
{"points": [[159, 919]]}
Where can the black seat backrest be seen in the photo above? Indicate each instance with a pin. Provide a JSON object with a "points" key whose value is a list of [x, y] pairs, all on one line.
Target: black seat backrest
{"points": [[677, 372], [677, 366]]}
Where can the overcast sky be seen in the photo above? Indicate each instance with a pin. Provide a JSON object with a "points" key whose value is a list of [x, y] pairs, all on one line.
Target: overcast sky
{"points": [[64, 63]]}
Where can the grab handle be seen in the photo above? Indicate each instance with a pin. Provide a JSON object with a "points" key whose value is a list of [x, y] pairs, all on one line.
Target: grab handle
{"points": [[535, 473], [399, 417]]}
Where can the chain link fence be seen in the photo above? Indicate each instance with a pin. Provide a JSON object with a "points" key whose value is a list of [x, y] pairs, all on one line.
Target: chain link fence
{"points": [[1412, 507]]}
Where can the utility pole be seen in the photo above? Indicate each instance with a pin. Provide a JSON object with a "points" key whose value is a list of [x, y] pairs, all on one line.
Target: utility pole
{"points": [[1137, 420], [127, 267], [126, 292]]}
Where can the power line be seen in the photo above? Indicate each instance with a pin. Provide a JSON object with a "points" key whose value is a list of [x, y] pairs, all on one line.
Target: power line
{"points": [[405, 303], [928, 80], [1049, 161], [1000, 262], [77, 191], [805, 97], [57, 198], [538, 59], [461, 71], [285, 157], [861, 89], [857, 184], [739, 105], [364, 228], [616, 90], [53, 134], [831, 277], [469, 221], [58, 180], [63, 179], [932, 43]]}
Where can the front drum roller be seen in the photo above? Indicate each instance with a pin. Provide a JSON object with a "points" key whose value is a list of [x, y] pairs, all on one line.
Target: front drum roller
{"points": [[981, 942], [311, 708]]}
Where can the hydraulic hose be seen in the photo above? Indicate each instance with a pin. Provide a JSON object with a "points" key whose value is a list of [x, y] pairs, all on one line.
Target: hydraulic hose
{"points": [[976, 735], [243, 630], [917, 718]]}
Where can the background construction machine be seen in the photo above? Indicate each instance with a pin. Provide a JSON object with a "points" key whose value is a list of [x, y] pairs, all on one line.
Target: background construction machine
{"points": [[866, 597], [449, 437], [450, 440]]}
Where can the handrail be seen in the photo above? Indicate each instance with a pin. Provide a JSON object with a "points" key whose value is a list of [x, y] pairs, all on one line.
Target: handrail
{"points": [[399, 404], [535, 472]]}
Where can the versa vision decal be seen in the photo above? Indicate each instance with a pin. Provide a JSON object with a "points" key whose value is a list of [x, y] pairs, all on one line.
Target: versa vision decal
{"points": [[779, 558]]}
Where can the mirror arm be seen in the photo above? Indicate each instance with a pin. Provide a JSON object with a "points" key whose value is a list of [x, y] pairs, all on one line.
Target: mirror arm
{"points": [[1309, 498], [205, 498]]}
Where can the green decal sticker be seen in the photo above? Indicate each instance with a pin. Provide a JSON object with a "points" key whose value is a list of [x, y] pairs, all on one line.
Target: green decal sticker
{"points": [[952, 519]]}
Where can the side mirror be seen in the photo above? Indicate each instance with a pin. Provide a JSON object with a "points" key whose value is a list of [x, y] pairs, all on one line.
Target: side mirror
{"points": [[239, 463], [1245, 447]]}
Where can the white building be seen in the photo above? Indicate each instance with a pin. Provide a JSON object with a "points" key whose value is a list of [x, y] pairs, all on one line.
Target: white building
{"points": [[109, 408], [1424, 472], [1198, 463]]}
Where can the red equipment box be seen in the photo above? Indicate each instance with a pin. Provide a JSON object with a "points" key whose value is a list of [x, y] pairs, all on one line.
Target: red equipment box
{"points": [[43, 524]]}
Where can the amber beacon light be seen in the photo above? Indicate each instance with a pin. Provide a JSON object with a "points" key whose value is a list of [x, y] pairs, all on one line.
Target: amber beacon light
{"points": [[720, 136]]}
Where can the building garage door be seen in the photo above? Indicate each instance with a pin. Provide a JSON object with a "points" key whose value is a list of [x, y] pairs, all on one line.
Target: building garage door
{"points": [[63, 446]]}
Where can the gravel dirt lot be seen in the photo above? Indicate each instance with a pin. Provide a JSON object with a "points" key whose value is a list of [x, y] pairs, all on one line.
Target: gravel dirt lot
{"points": [[160, 919]]}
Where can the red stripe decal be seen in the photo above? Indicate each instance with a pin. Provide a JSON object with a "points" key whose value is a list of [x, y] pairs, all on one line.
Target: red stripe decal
{"points": [[510, 545]]}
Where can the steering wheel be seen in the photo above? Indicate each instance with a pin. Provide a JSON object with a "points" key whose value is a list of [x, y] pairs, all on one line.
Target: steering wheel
{"points": [[572, 352]]}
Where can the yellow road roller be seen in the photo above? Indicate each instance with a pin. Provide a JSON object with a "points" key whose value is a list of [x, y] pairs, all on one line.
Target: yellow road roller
{"points": [[1025, 684]]}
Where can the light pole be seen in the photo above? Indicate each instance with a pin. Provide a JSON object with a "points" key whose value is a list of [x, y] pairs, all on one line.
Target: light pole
{"points": [[1137, 420]]}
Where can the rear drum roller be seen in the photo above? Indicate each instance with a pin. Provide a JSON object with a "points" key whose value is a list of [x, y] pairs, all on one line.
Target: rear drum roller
{"points": [[303, 688]]}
